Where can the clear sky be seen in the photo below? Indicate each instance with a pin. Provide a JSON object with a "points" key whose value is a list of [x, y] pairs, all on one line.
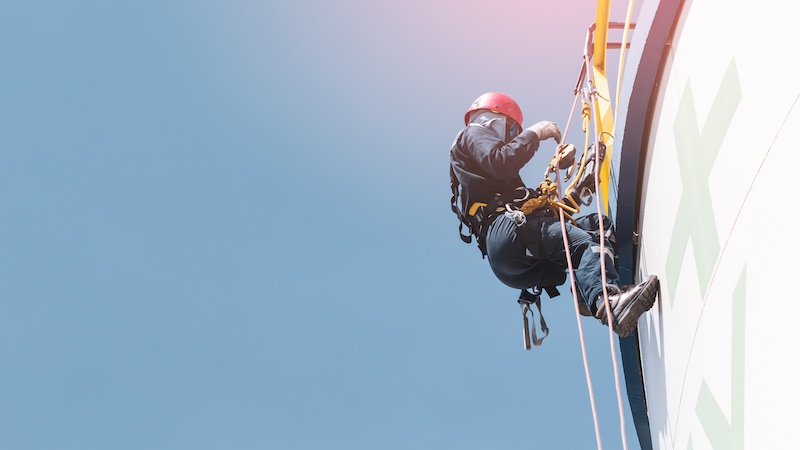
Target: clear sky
{"points": [[226, 225]]}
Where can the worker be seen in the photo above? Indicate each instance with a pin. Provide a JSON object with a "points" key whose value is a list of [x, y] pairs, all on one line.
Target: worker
{"points": [[528, 251]]}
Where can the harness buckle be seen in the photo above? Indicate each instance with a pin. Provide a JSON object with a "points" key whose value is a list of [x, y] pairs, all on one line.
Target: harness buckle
{"points": [[516, 215], [524, 197]]}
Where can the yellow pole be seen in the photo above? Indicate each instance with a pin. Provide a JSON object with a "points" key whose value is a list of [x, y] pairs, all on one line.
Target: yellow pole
{"points": [[603, 113]]}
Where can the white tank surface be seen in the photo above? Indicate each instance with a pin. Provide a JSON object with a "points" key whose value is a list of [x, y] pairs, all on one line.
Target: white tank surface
{"points": [[713, 182]]}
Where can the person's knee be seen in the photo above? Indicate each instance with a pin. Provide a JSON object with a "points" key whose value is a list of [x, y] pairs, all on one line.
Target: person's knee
{"points": [[577, 253]]}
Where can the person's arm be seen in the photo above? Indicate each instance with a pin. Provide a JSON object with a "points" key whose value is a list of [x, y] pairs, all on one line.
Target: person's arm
{"points": [[504, 161], [496, 158]]}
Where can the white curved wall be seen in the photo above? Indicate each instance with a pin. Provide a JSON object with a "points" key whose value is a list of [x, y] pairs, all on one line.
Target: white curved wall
{"points": [[720, 350]]}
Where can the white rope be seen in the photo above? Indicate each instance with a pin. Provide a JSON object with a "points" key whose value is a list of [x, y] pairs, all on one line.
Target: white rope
{"points": [[574, 286], [620, 71], [593, 98], [605, 292]]}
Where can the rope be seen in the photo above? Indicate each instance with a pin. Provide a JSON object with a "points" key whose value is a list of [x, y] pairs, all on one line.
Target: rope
{"points": [[606, 300], [573, 284], [622, 56], [586, 118], [623, 47], [586, 114], [549, 198]]}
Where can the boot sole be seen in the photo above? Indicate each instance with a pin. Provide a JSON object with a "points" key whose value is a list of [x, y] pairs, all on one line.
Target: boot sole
{"points": [[628, 319]]}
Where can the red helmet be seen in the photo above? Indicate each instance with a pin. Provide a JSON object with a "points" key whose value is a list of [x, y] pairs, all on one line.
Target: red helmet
{"points": [[496, 102]]}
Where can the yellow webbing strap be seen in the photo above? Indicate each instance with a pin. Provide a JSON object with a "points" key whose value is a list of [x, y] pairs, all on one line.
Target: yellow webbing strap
{"points": [[474, 208]]}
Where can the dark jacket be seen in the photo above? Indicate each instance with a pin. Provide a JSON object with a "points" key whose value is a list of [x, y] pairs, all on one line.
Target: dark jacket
{"points": [[486, 166]]}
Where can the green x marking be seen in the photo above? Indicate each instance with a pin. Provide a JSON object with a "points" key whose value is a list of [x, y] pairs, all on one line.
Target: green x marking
{"points": [[697, 152], [721, 432]]}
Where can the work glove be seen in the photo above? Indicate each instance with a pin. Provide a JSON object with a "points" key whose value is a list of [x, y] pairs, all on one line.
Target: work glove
{"points": [[546, 130]]}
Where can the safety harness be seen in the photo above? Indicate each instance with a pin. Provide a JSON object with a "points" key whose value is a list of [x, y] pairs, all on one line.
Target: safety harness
{"points": [[542, 200], [483, 214], [526, 299]]}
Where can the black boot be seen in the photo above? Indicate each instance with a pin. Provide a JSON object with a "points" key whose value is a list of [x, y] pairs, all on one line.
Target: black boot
{"points": [[628, 304]]}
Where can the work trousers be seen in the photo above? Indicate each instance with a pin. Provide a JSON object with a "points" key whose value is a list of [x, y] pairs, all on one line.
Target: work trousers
{"points": [[533, 254]]}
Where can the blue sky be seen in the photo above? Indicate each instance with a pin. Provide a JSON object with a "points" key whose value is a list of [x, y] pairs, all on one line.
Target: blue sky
{"points": [[226, 225]]}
